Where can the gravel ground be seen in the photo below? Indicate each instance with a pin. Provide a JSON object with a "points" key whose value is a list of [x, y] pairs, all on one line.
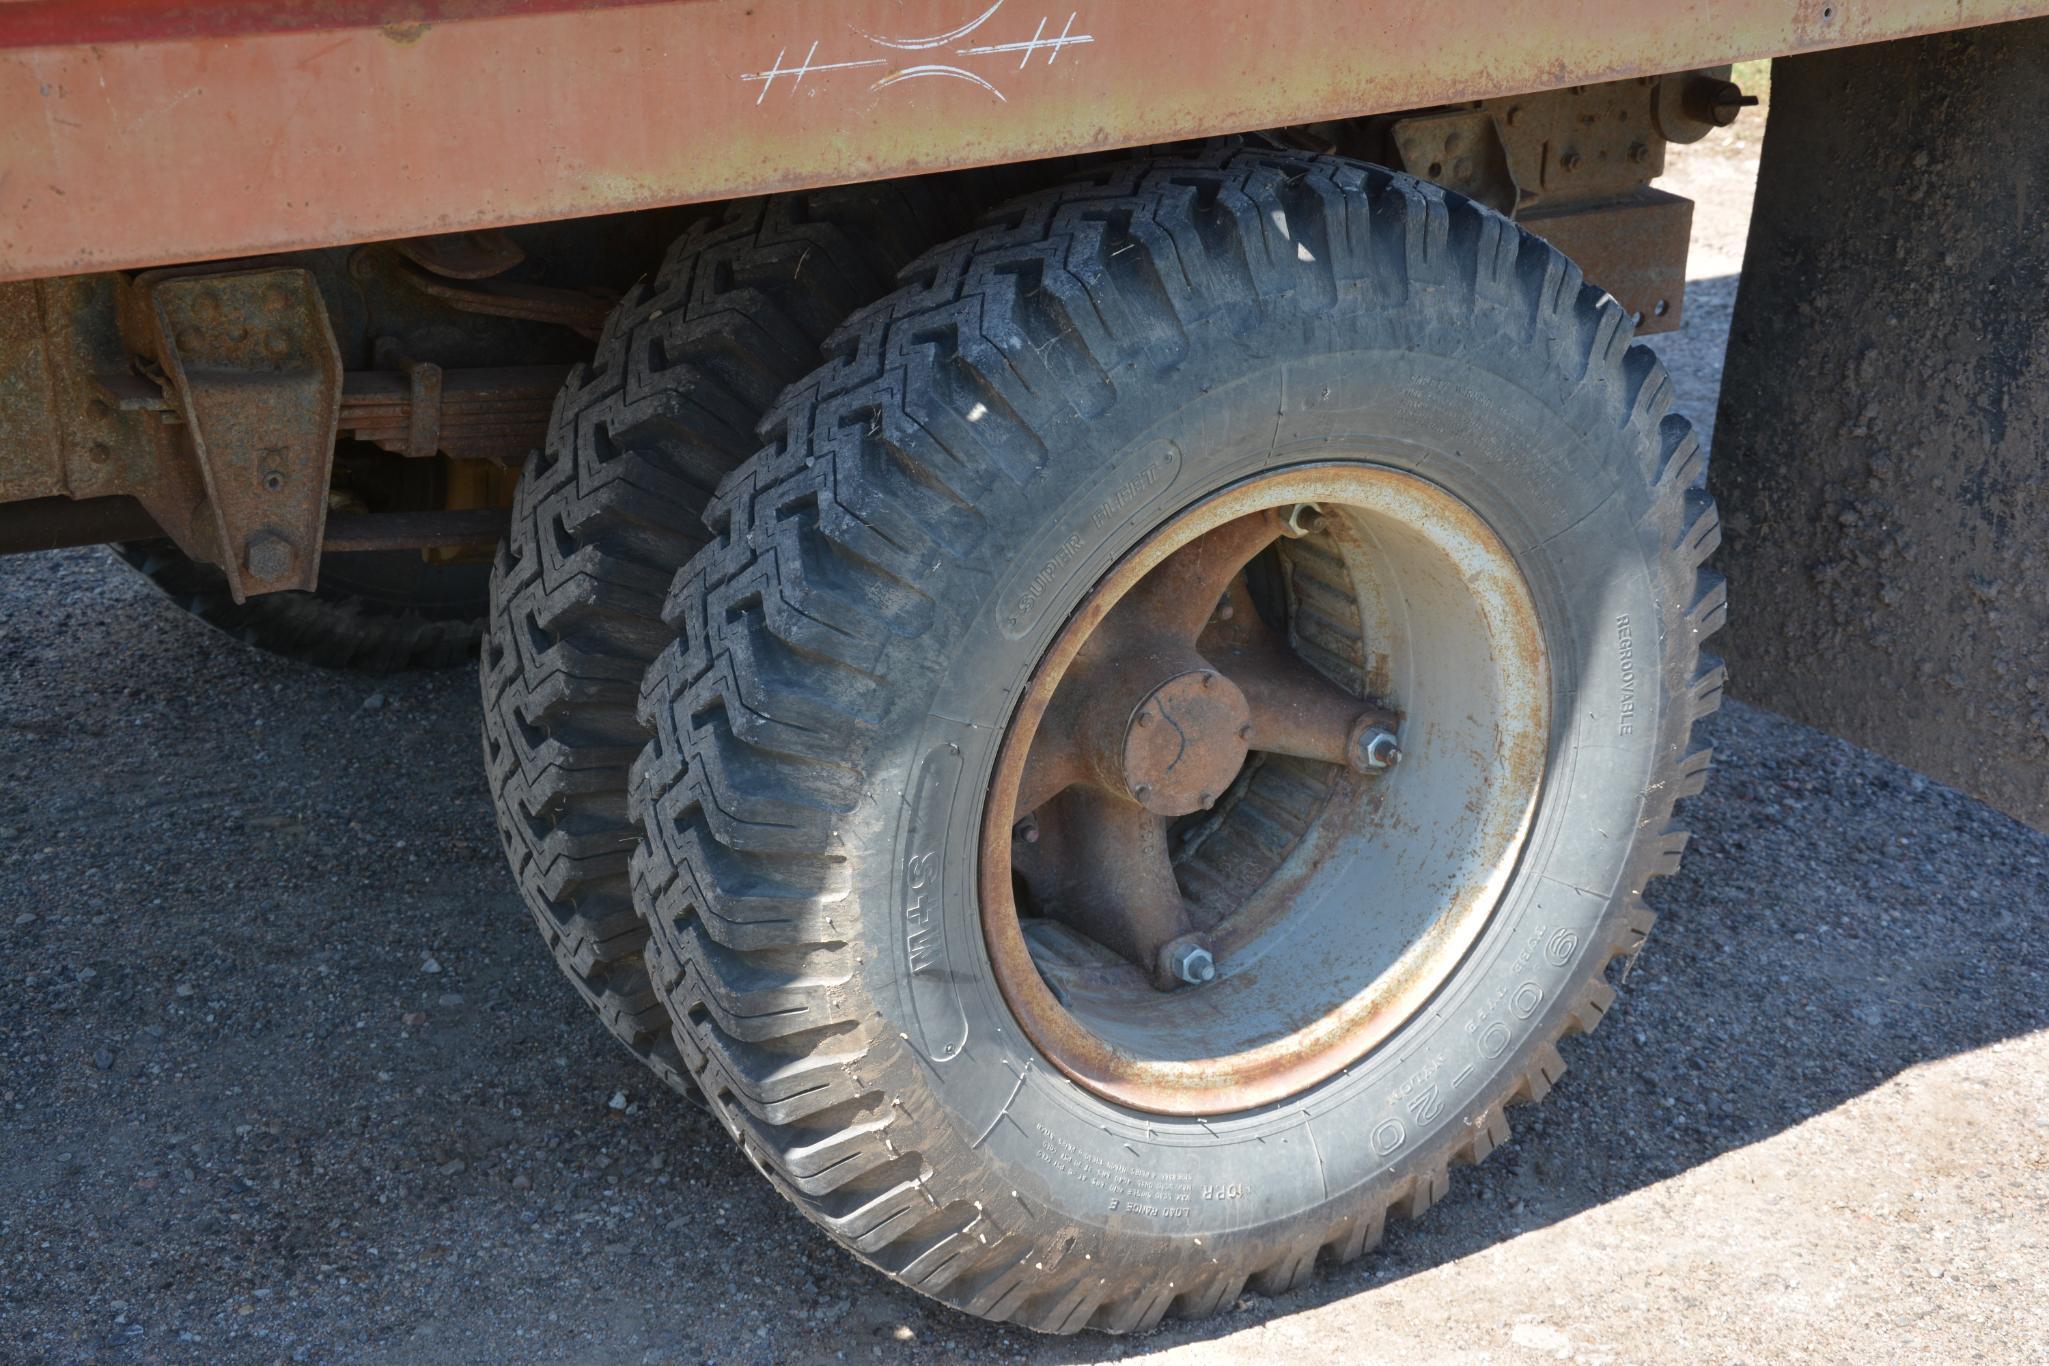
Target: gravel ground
{"points": [[288, 1076]]}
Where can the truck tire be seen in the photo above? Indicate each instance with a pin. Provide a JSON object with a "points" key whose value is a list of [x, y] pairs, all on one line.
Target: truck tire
{"points": [[608, 511], [380, 611], [946, 1044]]}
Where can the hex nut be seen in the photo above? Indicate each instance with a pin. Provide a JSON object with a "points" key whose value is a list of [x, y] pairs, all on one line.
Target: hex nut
{"points": [[1374, 748], [1186, 960], [270, 557], [1303, 519]]}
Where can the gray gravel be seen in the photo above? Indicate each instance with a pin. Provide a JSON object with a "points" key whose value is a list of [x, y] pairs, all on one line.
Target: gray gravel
{"points": [[288, 1076]]}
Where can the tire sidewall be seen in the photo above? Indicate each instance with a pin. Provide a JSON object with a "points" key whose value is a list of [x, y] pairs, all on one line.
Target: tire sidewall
{"points": [[1565, 488]]}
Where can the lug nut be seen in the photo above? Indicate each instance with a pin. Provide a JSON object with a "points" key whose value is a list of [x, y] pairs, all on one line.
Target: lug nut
{"points": [[1189, 962], [1303, 519], [1375, 747]]}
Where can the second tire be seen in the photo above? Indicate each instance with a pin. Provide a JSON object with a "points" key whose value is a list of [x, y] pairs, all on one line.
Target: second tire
{"points": [[611, 507]]}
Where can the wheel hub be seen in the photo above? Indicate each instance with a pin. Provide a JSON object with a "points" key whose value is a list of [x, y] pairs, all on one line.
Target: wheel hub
{"points": [[1214, 692], [1185, 742]]}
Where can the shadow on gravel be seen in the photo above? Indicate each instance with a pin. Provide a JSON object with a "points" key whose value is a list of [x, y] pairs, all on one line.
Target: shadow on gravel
{"points": [[286, 1069]]}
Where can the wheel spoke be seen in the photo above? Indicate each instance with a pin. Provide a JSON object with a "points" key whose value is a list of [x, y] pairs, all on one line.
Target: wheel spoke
{"points": [[1056, 762], [1235, 626], [1117, 883], [1178, 598], [1296, 710]]}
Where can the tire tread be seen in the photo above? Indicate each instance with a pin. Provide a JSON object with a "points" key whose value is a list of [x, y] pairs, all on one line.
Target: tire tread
{"points": [[821, 543]]}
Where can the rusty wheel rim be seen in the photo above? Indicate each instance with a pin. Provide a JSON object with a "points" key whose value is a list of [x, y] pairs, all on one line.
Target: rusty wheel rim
{"points": [[1342, 653]]}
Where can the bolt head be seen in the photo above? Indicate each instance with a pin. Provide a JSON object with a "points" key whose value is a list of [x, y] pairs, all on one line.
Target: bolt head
{"points": [[269, 557], [1726, 101]]}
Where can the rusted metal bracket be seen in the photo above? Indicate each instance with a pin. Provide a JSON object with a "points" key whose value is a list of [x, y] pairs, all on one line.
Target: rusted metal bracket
{"points": [[1574, 166], [1633, 247], [251, 362], [1462, 150]]}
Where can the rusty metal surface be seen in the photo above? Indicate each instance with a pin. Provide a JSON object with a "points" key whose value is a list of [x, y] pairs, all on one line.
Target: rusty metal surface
{"points": [[31, 453], [100, 397], [1461, 150], [485, 414], [1635, 248], [1068, 828], [104, 430], [100, 402], [1882, 451], [1152, 718], [257, 377], [130, 137], [34, 23], [1578, 145], [1573, 166], [1585, 143]]}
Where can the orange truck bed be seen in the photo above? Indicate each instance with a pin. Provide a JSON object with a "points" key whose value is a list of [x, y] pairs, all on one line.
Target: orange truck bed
{"points": [[138, 132]]}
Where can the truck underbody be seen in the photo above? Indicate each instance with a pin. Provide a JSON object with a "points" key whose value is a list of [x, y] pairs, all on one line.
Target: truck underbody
{"points": [[270, 141]]}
